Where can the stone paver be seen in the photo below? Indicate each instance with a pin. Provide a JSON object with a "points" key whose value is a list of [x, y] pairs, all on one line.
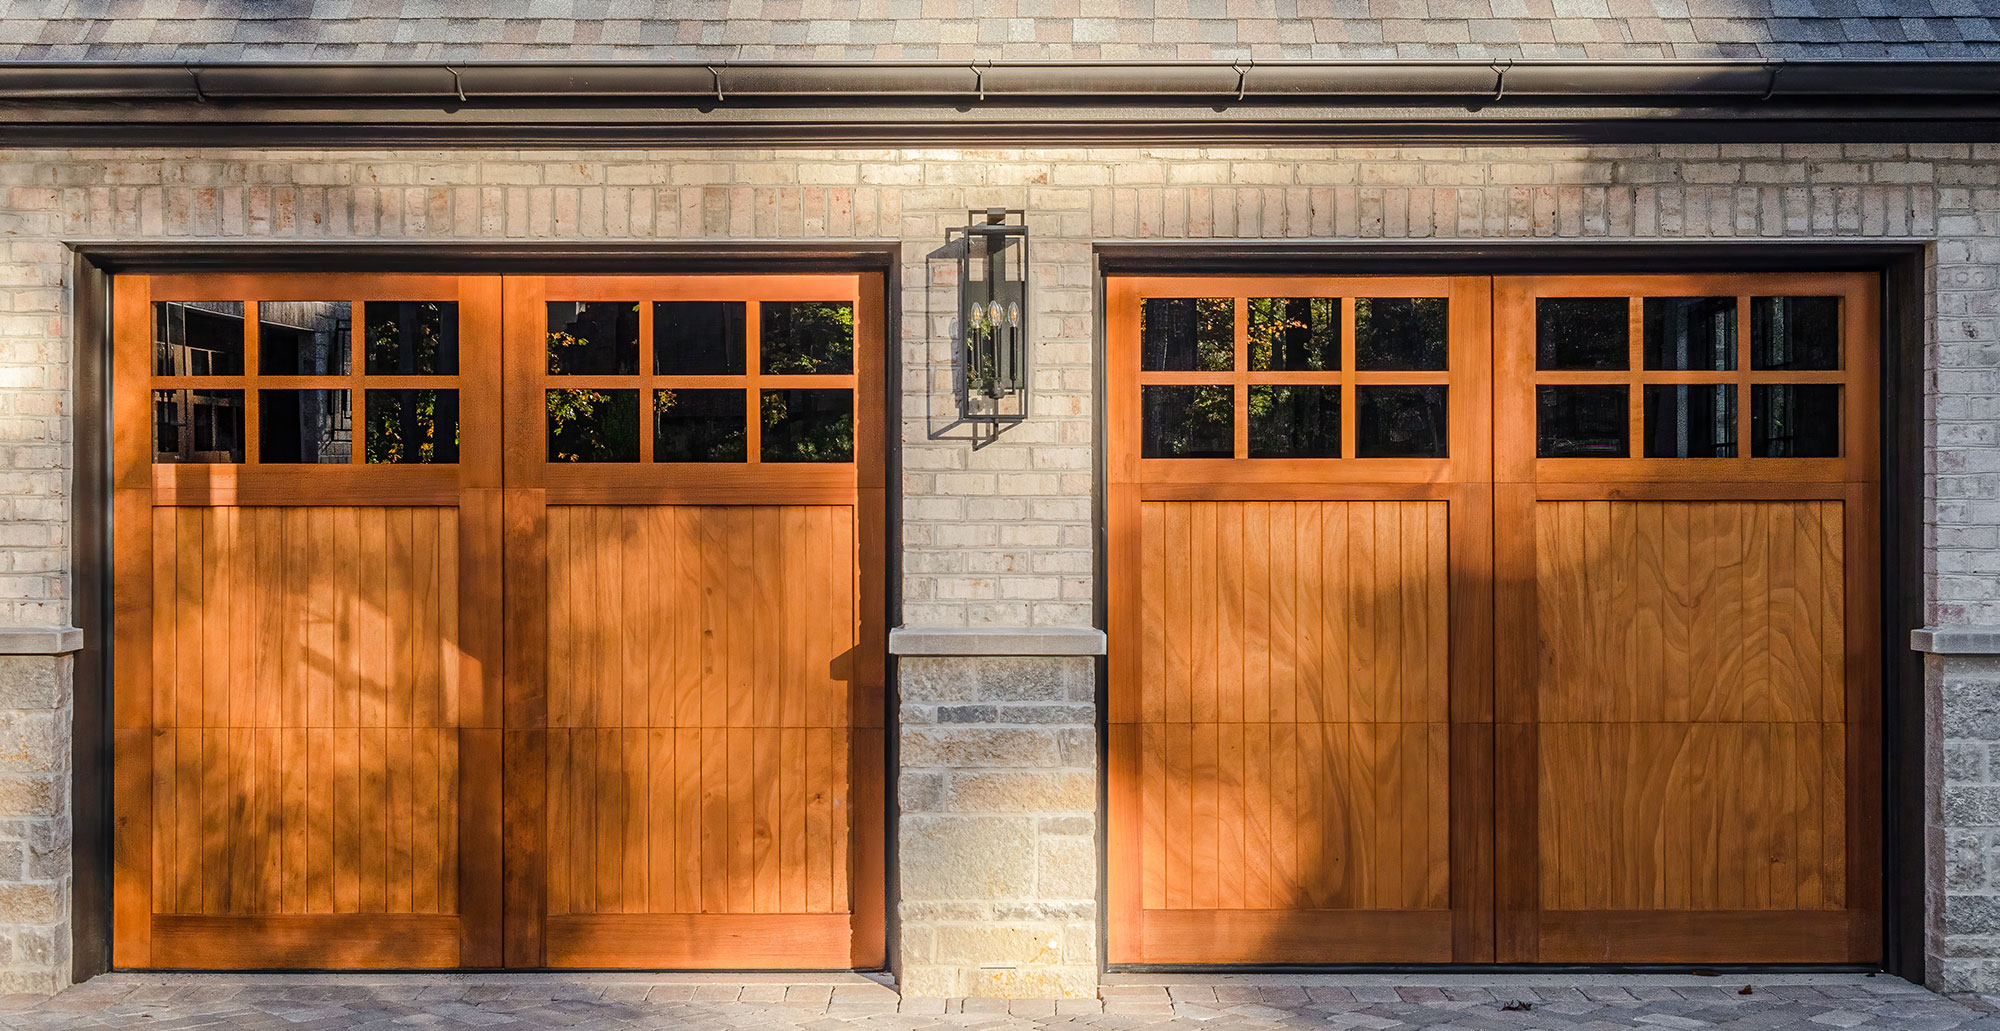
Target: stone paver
{"points": [[615, 1002]]}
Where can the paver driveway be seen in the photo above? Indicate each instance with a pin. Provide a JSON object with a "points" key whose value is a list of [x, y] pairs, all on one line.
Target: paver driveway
{"points": [[1816, 1002]]}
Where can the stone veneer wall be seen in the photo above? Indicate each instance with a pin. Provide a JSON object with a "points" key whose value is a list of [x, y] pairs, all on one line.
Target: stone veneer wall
{"points": [[1962, 893], [1002, 535], [34, 822]]}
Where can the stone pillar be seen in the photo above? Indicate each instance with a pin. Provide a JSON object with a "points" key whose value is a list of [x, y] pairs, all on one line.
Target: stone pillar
{"points": [[997, 831], [1962, 803], [35, 678]]}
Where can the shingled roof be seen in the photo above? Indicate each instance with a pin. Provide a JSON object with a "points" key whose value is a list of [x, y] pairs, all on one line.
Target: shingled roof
{"points": [[1001, 30]]}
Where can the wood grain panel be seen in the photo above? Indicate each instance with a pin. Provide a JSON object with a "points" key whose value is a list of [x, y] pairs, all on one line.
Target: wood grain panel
{"points": [[699, 684], [294, 772], [1688, 724], [1293, 706]]}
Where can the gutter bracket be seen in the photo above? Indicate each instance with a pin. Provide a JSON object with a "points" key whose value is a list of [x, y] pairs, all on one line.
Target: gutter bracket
{"points": [[1242, 76], [979, 78], [457, 86], [1500, 78], [716, 75], [195, 77], [1771, 88]]}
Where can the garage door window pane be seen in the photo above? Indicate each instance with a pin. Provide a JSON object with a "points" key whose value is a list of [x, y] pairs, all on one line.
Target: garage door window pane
{"points": [[1690, 421], [311, 427], [1400, 333], [1187, 422], [1187, 334], [699, 425], [411, 338], [197, 426], [1401, 422], [594, 338], [1795, 332], [1690, 333], [1294, 422], [198, 338], [1295, 334], [698, 338], [1582, 422], [807, 426], [412, 427], [806, 337], [593, 425], [304, 338], [1788, 421], [1591, 333]]}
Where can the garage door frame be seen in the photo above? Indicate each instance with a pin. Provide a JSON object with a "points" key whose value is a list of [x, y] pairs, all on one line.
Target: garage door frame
{"points": [[1900, 265], [95, 267]]}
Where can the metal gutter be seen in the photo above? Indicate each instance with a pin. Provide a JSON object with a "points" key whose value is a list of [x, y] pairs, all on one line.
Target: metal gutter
{"points": [[633, 103], [756, 81]]}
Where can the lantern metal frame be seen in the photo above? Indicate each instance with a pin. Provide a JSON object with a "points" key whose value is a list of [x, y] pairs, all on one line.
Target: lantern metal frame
{"points": [[993, 321]]}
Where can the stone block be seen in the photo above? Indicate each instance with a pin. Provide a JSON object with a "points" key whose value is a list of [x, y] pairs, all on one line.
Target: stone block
{"points": [[1025, 791], [973, 747], [34, 681], [1067, 981], [998, 944], [1066, 867], [966, 857]]}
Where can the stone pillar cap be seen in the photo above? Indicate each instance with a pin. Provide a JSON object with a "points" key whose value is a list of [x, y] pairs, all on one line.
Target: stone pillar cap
{"points": [[40, 640], [996, 640]]}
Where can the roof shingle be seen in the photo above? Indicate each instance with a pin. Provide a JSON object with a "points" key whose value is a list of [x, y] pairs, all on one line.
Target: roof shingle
{"points": [[968, 30]]}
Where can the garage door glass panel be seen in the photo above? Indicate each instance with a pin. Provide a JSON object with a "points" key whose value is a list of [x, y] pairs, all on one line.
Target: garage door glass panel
{"points": [[1188, 422], [691, 425], [1402, 422], [1795, 421], [412, 426], [586, 425], [1400, 333], [198, 338], [198, 426], [314, 427], [593, 338], [304, 338], [1795, 332], [806, 338], [1294, 422], [808, 425], [1582, 422], [1684, 421], [1575, 333], [1684, 333], [1295, 334], [411, 338], [698, 338], [1187, 334]]}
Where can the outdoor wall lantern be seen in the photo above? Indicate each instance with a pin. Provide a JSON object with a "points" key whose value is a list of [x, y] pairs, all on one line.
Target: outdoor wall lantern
{"points": [[993, 316]]}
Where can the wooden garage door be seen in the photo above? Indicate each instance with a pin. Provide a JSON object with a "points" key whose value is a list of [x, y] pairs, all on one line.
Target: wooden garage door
{"points": [[1298, 477], [1688, 704], [695, 644], [1451, 622], [430, 652]]}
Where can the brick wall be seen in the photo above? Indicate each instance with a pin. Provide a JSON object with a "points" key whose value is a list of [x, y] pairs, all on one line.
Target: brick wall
{"points": [[1002, 534]]}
